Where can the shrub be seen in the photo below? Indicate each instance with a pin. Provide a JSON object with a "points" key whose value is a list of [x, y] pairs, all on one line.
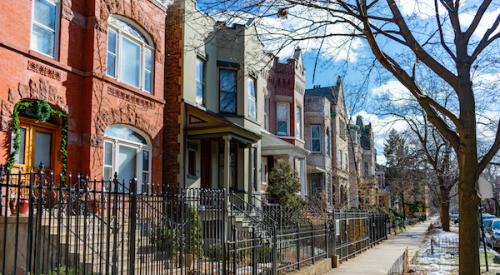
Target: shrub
{"points": [[165, 240]]}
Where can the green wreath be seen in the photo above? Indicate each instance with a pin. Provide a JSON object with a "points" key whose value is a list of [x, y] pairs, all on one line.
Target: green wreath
{"points": [[41, 111]]}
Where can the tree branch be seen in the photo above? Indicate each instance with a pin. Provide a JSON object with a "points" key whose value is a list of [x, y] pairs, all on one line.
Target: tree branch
{"points": [[491, 153], [477, 18]]}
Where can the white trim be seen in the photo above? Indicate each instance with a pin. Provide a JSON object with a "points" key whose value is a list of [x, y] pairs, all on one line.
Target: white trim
{"points": [[318, 138], [287, 120]]}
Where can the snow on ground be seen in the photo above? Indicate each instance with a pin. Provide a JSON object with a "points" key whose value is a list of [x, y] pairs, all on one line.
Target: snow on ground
{"points": [[438, 255]]}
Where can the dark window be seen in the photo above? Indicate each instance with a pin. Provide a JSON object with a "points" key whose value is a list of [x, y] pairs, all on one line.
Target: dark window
{"points": [[191, 163], [227, 91]]}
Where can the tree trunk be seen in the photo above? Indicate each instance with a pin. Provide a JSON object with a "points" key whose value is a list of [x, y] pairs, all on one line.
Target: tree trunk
{"points": [[444, 214], [469, 215]]}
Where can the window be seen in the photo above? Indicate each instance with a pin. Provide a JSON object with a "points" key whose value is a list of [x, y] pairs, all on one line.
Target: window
{"points": [[44, 26], [342, 129], [266, 113], [316, 183], [252, 99], [200, 81], [127, 153], [316, 138], [298, 122], [227, 91], [328, 142], [129, 55], [283, 118]]}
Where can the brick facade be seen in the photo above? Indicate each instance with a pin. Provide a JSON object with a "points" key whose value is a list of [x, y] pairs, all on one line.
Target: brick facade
{"points": [[75, 81]]}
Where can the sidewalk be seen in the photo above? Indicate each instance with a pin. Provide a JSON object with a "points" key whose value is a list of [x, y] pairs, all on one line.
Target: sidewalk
{"points": [[379, 259]]}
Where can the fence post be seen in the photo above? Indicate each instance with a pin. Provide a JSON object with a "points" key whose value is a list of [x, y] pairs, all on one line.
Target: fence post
{"points": [[114, 267], [275, 250], [297, 243], [224, 231], [254, 252], [132, 224], [312, 243], [235, 249]]}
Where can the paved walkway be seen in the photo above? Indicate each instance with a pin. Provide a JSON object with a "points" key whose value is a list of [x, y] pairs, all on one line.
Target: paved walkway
{"points": [[379, 259]]}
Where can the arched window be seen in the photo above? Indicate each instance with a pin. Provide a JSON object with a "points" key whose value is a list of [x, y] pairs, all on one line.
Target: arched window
{"points": [[129, 54], [128, 153]]}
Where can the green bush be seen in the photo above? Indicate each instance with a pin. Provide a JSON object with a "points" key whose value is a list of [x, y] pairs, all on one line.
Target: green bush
{"points": [[284, 184], [194, 235], [165, 239]]}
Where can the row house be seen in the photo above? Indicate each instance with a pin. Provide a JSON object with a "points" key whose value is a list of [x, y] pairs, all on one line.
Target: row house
{"points": [[214, 112], [362, 164], [283, 128], [326, 132], [82, 87]]}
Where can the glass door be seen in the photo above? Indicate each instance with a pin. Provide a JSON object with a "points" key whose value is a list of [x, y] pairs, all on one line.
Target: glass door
{"points": [[126, 164]]}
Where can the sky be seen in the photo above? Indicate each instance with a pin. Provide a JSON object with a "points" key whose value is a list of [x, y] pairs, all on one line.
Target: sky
{"points": [[351, 58]]}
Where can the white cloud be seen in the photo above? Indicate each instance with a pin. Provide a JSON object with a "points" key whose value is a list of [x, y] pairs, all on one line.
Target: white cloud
{"points": [[485, 23], [394, 91], [423, 9]]}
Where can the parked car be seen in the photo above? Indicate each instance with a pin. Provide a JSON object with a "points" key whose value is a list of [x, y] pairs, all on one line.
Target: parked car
{"points": [[487, 217], [454, 217], [492, 233]]}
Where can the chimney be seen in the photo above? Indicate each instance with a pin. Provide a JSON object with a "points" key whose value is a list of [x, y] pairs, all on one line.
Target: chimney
{"points": [[317, 86]]}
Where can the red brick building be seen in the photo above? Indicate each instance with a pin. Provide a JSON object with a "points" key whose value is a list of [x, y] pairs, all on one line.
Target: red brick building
{"points": [[100, 65]]}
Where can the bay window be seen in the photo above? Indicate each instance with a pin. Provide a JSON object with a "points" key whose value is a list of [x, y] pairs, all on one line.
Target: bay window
{"points": [[44, 26], [129, 54]]}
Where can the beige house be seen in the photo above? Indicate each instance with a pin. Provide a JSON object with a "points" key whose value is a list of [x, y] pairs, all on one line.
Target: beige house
{"points": [[327, 113], [216, 86], [362, 163]]}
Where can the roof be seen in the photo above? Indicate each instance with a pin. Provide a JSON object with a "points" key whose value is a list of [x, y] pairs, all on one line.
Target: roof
{"points": [[330, 92], [273, 145]]}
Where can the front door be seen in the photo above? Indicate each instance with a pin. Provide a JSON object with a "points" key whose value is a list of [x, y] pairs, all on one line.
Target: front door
{"points": [[36, 145], [126, 162]]}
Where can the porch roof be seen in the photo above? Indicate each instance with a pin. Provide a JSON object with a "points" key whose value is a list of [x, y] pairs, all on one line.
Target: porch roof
{"points": [[273, 145], [202, 123]]}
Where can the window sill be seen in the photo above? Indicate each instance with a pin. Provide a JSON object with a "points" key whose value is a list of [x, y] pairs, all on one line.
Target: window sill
{"points": [[132, 89]]}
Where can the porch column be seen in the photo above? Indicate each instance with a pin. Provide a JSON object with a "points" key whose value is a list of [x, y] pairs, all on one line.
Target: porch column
{"points": [[227, 162]]}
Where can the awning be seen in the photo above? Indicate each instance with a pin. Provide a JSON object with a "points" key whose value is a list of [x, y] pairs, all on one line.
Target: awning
{"points": [[205, 124], [315, 169], [274, 146]]}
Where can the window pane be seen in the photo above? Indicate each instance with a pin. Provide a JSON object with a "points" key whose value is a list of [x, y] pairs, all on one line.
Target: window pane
{"points": [[130, 62], [145, 160], [42, 149], [252, 109], [111, 54], [298, 122], [148, 72], [227, 82], [22, 146], [199, 80], [282, 110], [108, 173], [42, 40], [125, 133], [108, 153], [315, 132], [45, 13], [316, 145], [126, 165]]}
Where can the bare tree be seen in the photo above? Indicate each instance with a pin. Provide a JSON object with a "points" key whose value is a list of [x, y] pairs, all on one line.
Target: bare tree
{"points": [[383, 24]]}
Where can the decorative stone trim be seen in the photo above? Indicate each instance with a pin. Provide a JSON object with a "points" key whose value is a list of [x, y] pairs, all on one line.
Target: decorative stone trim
{"points": [[127, 96], [44, 70], [35, 89]]}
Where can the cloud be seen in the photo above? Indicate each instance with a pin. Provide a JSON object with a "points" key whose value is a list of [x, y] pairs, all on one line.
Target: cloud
{"points": [[394, 91], [485, 23], [424, 9]]}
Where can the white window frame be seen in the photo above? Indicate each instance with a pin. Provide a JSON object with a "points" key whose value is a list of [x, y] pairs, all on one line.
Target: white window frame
{"points": [[316, 138], [56, 31], [200, 99], [252, 99], [298, 121], [116, 142], [287, 107], [143, 45]]}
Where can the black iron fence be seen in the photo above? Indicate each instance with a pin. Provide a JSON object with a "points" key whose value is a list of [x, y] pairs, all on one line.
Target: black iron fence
{"points": [[75, 225]]}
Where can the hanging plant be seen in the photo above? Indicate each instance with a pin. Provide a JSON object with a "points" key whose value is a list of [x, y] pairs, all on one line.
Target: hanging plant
{"points": [[41, 111]]}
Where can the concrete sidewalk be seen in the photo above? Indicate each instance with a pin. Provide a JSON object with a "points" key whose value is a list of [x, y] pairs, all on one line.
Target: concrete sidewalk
{"points": [[380, 259]]}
